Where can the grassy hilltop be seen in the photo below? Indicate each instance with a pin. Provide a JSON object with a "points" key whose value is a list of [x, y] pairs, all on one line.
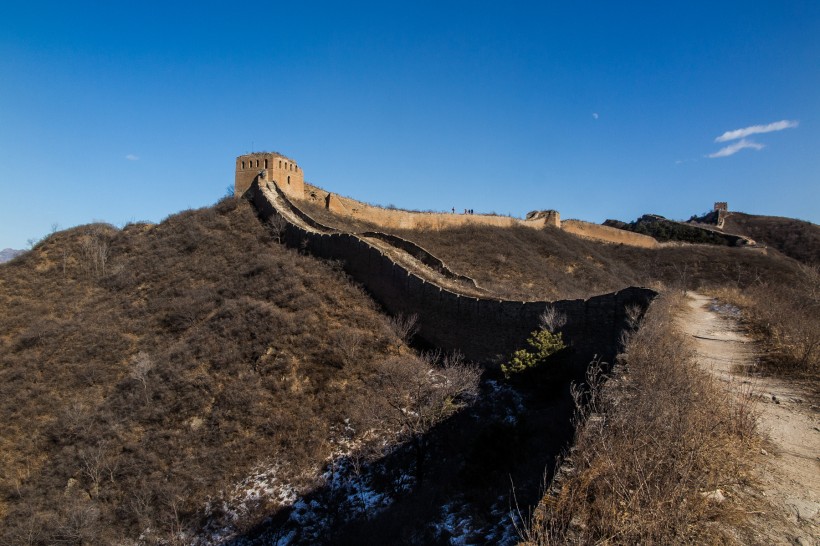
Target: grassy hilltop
{"points": [[189, 381], [145, 370]]}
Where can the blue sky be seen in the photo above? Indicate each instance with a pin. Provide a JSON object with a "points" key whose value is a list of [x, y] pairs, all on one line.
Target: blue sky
{"points": [[132, 111]]}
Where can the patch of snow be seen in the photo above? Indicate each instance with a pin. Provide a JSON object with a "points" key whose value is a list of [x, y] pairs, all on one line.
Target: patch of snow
{"points": [[344, 489], [724, 308]]}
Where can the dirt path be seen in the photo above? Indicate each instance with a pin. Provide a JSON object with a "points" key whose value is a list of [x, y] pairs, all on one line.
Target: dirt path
{"points": [[788, 468]]}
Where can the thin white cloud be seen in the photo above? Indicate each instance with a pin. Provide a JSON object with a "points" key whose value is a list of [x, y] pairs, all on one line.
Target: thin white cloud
{"points": [[756, 130], [732, 149], [595, 115], [132, 157]]}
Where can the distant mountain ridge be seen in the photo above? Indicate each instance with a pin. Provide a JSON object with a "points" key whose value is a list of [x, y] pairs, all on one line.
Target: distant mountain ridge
{"points": [[8, 254]]}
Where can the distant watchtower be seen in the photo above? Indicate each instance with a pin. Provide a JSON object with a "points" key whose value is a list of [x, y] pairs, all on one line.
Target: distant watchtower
{"points": [[722, 209], [269, 167]]}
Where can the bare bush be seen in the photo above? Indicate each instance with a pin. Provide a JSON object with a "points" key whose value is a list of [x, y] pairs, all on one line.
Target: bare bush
{"points": [[785, 318], [552, 319], [141, 364], [417, 393], [646, 449], [350, 344], [633, 316], [405, 326], [99, 464], [94, 252], [278, 226]]}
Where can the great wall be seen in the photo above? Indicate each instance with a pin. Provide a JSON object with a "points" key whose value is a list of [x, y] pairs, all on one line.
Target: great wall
{"points": [[289, 177], [454, 313]]}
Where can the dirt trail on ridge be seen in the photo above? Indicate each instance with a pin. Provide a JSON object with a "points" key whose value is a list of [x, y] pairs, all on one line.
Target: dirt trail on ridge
{"points": [[788, 468]]}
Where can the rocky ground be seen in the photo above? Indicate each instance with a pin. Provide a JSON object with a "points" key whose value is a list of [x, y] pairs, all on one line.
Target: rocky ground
{"points": [[783, 500]]}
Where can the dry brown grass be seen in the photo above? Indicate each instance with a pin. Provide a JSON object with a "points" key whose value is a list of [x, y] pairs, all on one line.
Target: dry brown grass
{"points": [[785, 319], [794, 238], [648, 447], [549, 264], [144, 370]]}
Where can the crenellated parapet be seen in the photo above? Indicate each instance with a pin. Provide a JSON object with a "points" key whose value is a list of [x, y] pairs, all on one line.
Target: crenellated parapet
{"points": [[269, 167]]}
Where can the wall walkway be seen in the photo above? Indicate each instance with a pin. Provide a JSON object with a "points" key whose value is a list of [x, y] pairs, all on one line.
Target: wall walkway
{"points": [[608, 234]]}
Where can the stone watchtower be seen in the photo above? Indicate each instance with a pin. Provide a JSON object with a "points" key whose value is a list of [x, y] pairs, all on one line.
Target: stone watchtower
{"points": [[722, 209], [269, 167]]}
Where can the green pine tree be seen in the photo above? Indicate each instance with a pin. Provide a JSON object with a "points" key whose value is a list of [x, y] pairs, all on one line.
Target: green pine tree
{"points": [[543, 344]]}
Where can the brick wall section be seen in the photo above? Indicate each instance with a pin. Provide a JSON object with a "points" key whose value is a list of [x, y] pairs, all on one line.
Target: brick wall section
{"points": [[608, 234], [481, 328], [404, 219], [419, 253]]}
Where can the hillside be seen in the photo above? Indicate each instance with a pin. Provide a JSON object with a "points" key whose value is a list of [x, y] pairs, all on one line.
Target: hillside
{"points": [[549, 264], [147, 370], [797, 239], [669, 230], [196, 380], [521, 262]]}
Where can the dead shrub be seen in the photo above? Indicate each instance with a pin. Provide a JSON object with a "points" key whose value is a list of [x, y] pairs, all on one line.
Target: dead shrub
{"points": [[552, 320], [405, 326], [785, 319], [417, 393], [647, 447]]}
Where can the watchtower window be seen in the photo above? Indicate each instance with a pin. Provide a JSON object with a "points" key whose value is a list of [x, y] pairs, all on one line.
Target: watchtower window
{"points": [[257, 162], [266, 163], [243, 165], [280, 163], [288, 180]]}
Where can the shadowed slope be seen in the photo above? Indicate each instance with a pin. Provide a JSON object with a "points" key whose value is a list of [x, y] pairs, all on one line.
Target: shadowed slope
{"points": [[794, 238]]}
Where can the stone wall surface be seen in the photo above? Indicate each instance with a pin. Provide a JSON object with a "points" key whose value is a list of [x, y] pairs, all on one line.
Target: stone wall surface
{"points": [[419, 253], [275, 168], [388, 218], [608, 234], [483, 329]]}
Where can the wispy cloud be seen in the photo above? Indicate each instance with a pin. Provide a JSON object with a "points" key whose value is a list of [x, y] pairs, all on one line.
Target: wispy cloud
{"points": [[732, 149], [595, 115], [755, 130], [132, 157]]}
